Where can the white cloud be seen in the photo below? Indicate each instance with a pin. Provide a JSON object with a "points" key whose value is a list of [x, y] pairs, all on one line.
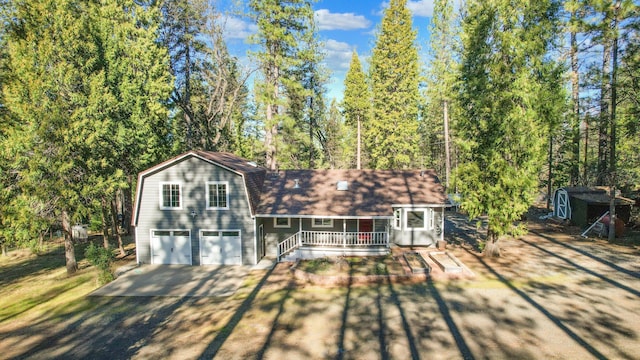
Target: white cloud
{"points": [[422, 8], [340, 21], [338, 55], [419, 8], [236, 28]]}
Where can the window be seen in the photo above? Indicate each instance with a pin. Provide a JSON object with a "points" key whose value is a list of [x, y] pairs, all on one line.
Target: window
{"points": [[419, 219], [170, 196], [322, 222], [282, 222], [217, 195], [397, 218], [415, 219]]}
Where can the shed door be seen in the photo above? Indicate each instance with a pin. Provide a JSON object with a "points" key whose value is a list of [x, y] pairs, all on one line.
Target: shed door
{"points": [[563, 205], [171, 247], [220, 247]]}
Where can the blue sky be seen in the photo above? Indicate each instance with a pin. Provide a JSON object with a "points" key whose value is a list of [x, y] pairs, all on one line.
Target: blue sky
{"points": [[344, 25]]}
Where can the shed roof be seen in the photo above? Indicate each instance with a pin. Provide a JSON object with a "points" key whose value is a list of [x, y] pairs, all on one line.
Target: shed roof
{"points": [[369, 192], [595, 195]]}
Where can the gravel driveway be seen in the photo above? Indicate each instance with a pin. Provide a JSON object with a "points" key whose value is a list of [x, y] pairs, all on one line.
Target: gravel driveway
{"points": [[552, 295]]}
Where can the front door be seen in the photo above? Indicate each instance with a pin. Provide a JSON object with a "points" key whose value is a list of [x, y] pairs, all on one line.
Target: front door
{"points": [[365, 225]]}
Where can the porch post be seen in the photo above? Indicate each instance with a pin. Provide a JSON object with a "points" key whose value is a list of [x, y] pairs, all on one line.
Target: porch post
{"points": [[300, 232], [344, 232]]}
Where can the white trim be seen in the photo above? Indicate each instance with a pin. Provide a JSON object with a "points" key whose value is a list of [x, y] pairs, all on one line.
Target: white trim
{"points": [[219, 235], [161, 195], [335, 217], [208, 199], [397, 216], [420, 206], [276, 226], [135, 229], [313, 225]]}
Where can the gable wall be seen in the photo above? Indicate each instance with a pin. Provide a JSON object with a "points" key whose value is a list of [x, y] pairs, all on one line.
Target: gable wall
{"points": [[193, 173]]}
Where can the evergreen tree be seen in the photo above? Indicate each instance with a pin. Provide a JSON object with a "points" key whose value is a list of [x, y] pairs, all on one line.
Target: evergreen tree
{"points": [[284, 28], [86, 87], [440, 84], [356, 103], [337, 144], [392, 135], [510, 93], [183, 22]]}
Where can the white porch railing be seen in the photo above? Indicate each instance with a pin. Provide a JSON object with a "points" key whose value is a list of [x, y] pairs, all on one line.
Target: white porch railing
{"points": [[332, 239]]}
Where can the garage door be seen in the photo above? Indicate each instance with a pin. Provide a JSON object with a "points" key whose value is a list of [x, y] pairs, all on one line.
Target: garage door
{"points": [[171, 247], [220, 247]]}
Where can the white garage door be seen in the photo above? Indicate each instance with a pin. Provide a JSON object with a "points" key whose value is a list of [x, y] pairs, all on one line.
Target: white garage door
{"points": [[171, 247], [220, 247]]}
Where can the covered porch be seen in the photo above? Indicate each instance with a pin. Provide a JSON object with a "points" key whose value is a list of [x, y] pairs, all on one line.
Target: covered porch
{"points": [[327, 242], [295, 237]]}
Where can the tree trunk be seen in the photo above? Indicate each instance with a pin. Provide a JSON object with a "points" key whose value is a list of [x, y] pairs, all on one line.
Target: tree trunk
{"points": [[447, 162], [69, 250], [105, 224], [612, 160], [492, 245], [115, 226], [4, 249], [575, 98], [359, 145], [550, 174], [128, 205], [603, 136]]}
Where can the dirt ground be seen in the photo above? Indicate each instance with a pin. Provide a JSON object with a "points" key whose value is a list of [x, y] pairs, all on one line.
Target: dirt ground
{"points": [[552, 295]]}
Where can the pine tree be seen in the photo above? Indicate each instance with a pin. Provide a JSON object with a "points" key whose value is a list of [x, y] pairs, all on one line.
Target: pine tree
{"points": [[87, 86], [392, 135], [337, 144], [183, 23], [440, 83], [356, 103], [510, 93], [284, 27]]}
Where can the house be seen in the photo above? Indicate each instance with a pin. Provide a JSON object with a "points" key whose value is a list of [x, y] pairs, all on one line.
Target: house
{"points": [[584, 205], [203, 208]]}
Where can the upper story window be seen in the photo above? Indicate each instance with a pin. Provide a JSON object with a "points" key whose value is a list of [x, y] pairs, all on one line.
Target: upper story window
{"points": [[170, 196], [217, 195], [322, 222]]}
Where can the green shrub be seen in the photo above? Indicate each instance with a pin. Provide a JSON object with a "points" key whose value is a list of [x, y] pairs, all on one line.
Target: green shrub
{"points": [[101, 258]]}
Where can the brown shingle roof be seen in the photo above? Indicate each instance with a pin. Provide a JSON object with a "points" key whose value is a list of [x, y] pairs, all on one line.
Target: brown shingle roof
{"points": [[370, 192], [253, 174]]}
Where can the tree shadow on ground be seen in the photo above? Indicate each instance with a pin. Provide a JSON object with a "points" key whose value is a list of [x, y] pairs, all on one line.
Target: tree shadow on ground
{"points": [[111, 328], [538, 306]]}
